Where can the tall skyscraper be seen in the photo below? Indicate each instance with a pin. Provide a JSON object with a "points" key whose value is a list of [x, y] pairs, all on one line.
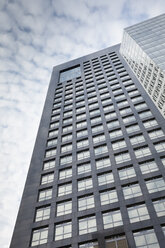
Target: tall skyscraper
{"points": [[143, 47], [97, 174]]}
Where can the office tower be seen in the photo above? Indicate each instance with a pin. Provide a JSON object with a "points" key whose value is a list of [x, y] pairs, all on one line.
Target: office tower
{"points": [[143, 47], [97, 176]]}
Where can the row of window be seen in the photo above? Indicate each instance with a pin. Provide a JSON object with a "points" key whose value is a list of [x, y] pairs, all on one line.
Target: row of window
{"points": [[143, 238], [132, 190]]}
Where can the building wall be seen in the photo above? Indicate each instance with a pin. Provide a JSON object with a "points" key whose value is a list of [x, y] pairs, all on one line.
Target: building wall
{"points": [[107, 85]]}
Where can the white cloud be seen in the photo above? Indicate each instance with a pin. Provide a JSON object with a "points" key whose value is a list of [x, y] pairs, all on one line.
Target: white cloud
{"points": [[35, 36]]}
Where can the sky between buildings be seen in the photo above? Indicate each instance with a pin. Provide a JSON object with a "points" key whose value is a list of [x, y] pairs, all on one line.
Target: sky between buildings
{"points": [[36, 35]]}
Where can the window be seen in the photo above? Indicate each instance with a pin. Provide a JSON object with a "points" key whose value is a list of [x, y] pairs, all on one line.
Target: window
{"points": [[122, 157], [67, 129], [52, 142], [137, 139], [63, 230], [98, 138], [64, 189], [116, 133], [105, 178], [95, 120], [82, 143], [100, 149], [160, 147], [103, 163], [48, 178], [118, 144], [45, 194], [82, 133], [42, 213], [83, 155], [63, 174], [68, 120], [50, 153], [137, 98], [66, 160], [92, 244], [39, 236], [116, 242], [94, 112], [122, 103], [66, 137], [150, 123], [163, 229], [54, 124], [84, 184], [125, 111], [80, 117], [129, 119], [108, 108], [145, 114], [66, 148], [108, 197], [140, 106], [98, 128], [148, 167], [84, 168], [126, 173], [110, 115], [155, 185], [142, 152], [112, 219], [86, 202], [132, 190], [80, 109], [81, 124], [146, 239], [156, 134], [138, 213], [68, 113], [87, 225], [132, 128], [119, 97], [49, 164], [163, 161], [113, 124], [159, 206], [64, 208]]}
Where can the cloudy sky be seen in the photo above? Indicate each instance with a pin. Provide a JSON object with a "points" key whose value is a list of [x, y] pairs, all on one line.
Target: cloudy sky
{"points": [[35, 36]]}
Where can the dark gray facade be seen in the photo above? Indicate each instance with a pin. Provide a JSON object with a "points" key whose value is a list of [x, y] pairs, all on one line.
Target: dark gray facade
{"points": [[107, 184]]}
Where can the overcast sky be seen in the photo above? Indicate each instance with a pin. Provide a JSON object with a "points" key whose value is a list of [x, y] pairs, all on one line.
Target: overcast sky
{"points": [[35, 36]]}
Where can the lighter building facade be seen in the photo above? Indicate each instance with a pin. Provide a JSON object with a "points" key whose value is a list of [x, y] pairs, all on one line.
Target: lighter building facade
{"points": [[143, 47], [97, 174]]}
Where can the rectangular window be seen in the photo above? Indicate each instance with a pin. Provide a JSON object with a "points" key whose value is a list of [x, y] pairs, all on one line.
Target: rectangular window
{"points": [[118, 241], [85, 184], [137, 139], [95, 120], [133, 128], [53, 133], [108, 197], [155, 185], [66, 160], [146, 239], [98, 138], [122, 157], [159, 206], [50, 153], [81, 124], [45, 194], [82, 143], [148, 167], [116, 133], [86, 202], [142, 152], [67, 129], [160, 147], [66, 148], [80, 117], [103, 163], [49, 164], [64, 189], [83, 168], [63, 174], [129, 119], [138, 213], [145, 114], [100, 149], [83, 155], [118, 144], [113, 124], [98, 128], [63, 230], [150, 123], [52, 142], [105, 178], [39, 236], [48, 178], [87, 225], [64, 208], [42, 213], [126, 111], [126, 173], [68, 120], [156, 134], [112, 219], [110, 115], [92, 244], [82, 133], [66, 137], [131, 191]]}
